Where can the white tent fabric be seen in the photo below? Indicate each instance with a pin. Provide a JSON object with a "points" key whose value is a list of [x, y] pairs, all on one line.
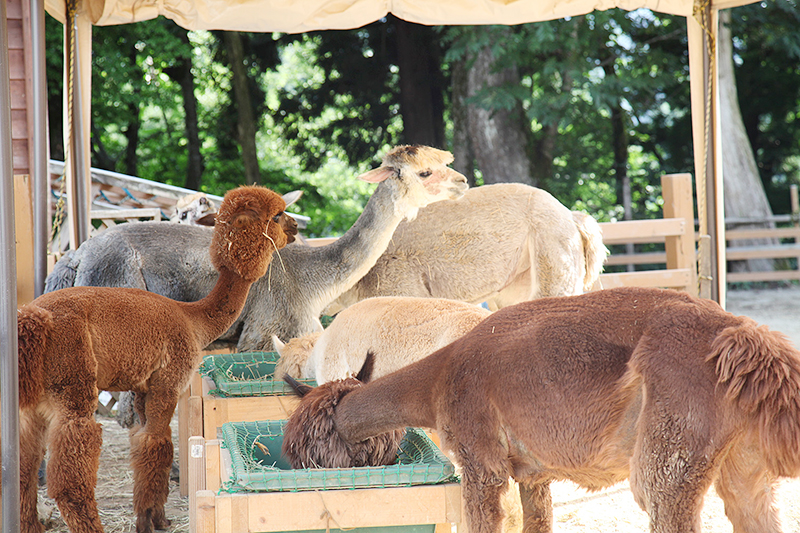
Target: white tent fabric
{"points": [[296, 16]]}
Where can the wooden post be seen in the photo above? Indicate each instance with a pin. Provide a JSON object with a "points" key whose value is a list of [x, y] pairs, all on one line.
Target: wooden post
{"points": [[196, 481], [676, 190], [702, 31], [204, 513], [23, 224]]}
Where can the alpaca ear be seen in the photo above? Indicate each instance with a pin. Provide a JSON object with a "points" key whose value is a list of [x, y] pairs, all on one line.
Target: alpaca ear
{"points": [[207, 220], [277, 344], [300, 389], [377, 175], [365, 374], [291, 197]]}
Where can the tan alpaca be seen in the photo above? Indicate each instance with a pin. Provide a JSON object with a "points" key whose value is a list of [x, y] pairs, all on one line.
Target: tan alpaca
{"points": [[397, 330], [77, 341]]}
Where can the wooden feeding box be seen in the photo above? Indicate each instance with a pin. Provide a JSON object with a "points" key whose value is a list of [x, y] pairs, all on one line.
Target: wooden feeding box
{"points": [[231, 387], [246, 486], [239, 387]]}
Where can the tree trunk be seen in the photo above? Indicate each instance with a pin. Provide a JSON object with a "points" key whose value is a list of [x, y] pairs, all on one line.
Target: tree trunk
{"points": [[463, 155], [246, 123], [744, 193], [132, 136], [181, 72], [421, 84], [499, 137]]}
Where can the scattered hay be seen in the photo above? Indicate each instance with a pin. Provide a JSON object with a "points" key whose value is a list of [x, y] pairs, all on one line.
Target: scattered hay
{"points": [[114, 492]]}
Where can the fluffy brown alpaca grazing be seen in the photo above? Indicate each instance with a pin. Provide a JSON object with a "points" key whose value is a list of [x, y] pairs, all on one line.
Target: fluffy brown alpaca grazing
{"points": [[74, 342], [311, 440], [653, 385]]}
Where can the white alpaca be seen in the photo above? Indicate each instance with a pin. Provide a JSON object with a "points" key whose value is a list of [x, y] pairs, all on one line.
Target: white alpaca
{"points": [[194, 209], [500, 244], [397, 330]]}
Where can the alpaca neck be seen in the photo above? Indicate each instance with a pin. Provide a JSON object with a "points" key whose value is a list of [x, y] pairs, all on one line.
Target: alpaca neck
{"points": [[342, 263], [215, 313], [405, 398]]}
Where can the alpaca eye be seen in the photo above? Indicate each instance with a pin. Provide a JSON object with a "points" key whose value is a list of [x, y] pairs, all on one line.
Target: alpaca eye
{"points": [[425, 174], [277, 218]]}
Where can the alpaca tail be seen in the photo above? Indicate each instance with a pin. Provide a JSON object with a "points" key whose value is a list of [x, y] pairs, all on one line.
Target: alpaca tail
{"points": [[761, 369], [32, 325], [594, 251], [63, 274]]}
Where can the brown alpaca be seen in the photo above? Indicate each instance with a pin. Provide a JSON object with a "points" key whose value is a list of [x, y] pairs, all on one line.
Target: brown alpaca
{"points": [[77, 341], [653, 385], [306, 428]]}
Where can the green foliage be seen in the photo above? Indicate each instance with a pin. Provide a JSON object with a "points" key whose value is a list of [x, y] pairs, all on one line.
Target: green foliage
{"points": [[768, 84], [328, 103]]}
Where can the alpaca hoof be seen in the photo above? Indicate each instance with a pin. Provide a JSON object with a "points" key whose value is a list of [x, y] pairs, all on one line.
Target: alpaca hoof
{"points": [[160, 521]]}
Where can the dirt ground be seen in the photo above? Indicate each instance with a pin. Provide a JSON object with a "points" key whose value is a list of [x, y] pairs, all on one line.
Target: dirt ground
{"points": [[575, 510]]}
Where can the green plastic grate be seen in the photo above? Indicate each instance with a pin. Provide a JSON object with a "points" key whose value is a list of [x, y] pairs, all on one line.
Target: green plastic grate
{"points": [[245, 374], [257, 463]]}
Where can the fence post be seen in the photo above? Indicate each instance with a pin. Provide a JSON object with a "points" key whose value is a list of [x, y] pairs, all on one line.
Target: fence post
{"points": [[676, 190]]}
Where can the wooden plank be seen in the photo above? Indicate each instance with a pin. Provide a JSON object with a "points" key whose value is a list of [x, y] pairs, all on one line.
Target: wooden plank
{"points": [[204, 511], [196, 476], [218, 410], [112, 215], [641, 231], [738, 253], [645, 258], [775, 275], [20, 156], [341, 509], [14, 9], [18, 98], [766, 233], [19, 124], [650, 278], [15, 40], [680, 249], [23, 222], [213, 464], [321, 241], [16, 64]]}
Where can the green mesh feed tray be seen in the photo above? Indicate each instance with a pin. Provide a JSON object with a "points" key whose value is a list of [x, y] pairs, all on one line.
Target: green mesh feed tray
{"points": [[245, 374], [257, 463]]}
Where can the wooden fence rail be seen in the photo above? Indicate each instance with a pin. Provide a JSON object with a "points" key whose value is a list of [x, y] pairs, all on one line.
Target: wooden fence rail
{"points": [[778, 243]]}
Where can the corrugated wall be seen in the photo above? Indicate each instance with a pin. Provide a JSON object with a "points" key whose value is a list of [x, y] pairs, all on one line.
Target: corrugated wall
{"points": [[19, 56]]}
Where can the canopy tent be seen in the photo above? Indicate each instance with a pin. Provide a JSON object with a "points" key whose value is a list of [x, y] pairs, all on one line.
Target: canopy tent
{"points": [[306, 15], [294, 17]]}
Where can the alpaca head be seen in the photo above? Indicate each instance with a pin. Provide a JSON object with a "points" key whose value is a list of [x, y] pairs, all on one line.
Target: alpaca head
{"points": [[293, 355], [194, 209], [423, 177], [251, 225], [310, 437]]}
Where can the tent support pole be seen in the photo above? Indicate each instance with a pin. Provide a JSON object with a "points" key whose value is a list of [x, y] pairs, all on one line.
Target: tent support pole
{"points": [[702, 33], [9, 379], [39, 156]]}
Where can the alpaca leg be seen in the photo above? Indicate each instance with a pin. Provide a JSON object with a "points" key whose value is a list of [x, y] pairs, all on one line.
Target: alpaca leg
{"points": [[537, 507], [72, 471], [747, 489], [482, 496], [669, 483], [33, 429], [151, 459]]}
